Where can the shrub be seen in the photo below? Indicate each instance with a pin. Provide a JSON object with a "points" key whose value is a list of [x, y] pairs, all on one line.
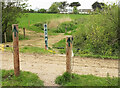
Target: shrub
{"points": [[99, 33], [66, 25]]}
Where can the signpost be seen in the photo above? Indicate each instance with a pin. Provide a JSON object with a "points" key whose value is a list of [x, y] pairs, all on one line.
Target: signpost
{"points": [[46, 36], [68, 53], [16, 50]]}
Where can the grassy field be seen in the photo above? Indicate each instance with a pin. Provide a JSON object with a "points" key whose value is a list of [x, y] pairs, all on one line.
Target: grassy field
{"points": [[85, 80], [34, 18], [25, 79], [78, 24], [38, 17]]}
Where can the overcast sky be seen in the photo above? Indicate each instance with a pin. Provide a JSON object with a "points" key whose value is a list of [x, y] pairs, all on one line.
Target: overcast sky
{"points": [[85, 4]]}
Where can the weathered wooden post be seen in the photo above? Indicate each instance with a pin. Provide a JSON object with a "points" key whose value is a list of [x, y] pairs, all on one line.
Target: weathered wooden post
{"points": [[46, 36], [5, 37], [68, 53], [24, 32], [28, 23], [66, 29], [16, 50]]}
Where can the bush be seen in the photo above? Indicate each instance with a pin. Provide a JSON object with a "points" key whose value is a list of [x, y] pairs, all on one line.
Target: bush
{"points": [[99, 34], [75, 11], [66, 25], [42, 11]]}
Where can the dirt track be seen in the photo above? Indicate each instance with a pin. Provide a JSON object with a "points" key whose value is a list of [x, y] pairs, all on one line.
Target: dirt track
{"points": [[49, 67]]}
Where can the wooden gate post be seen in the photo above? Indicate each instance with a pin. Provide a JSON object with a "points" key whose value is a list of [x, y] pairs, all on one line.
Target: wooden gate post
{"points": [[16, 50], [24, 32], [68, 53]]}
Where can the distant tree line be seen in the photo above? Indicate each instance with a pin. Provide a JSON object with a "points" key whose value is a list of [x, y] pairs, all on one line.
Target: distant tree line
{"points": [[56, 7]]}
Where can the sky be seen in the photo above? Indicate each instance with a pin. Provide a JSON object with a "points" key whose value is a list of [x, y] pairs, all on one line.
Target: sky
{"points": [[85, 4]]}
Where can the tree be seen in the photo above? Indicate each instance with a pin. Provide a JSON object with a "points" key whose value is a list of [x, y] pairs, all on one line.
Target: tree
{"points": [[31, 11], [54, 7], [42, 11], [75, 4], [10, 12], [98, 5], [75, 11], [26, 10], [63, 5]]}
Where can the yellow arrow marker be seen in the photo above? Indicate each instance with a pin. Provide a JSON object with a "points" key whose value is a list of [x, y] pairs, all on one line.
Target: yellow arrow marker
{"points": [[51, 51]]}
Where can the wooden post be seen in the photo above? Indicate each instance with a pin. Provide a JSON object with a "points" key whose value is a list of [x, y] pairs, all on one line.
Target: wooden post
{"points": [[24, 32], [65, 29], [28, 23], [5, 37], [16, 50], [68, 53]]}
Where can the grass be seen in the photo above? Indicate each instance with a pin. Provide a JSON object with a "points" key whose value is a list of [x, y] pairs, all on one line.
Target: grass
{"points": [[31, 49], [21, 37], [25, 79], [60, 44], [85, 80], [98, 56], [35, 18], [38, 18]]}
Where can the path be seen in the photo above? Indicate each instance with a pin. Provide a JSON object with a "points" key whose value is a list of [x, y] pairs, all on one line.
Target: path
{"points": [[37, 39], [49, 67]]}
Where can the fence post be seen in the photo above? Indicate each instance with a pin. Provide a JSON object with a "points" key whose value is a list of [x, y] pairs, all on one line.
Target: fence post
{"points": [[28, 23], [24, 32], [16, 50], [46, 36], [65, 29], [68, 53], [5, 37]]}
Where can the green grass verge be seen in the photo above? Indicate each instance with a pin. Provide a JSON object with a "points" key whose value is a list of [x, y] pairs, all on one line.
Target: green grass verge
{"points": [[27, 49], [30, 49], [24, 79], [85, 80], [98, 56]]}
